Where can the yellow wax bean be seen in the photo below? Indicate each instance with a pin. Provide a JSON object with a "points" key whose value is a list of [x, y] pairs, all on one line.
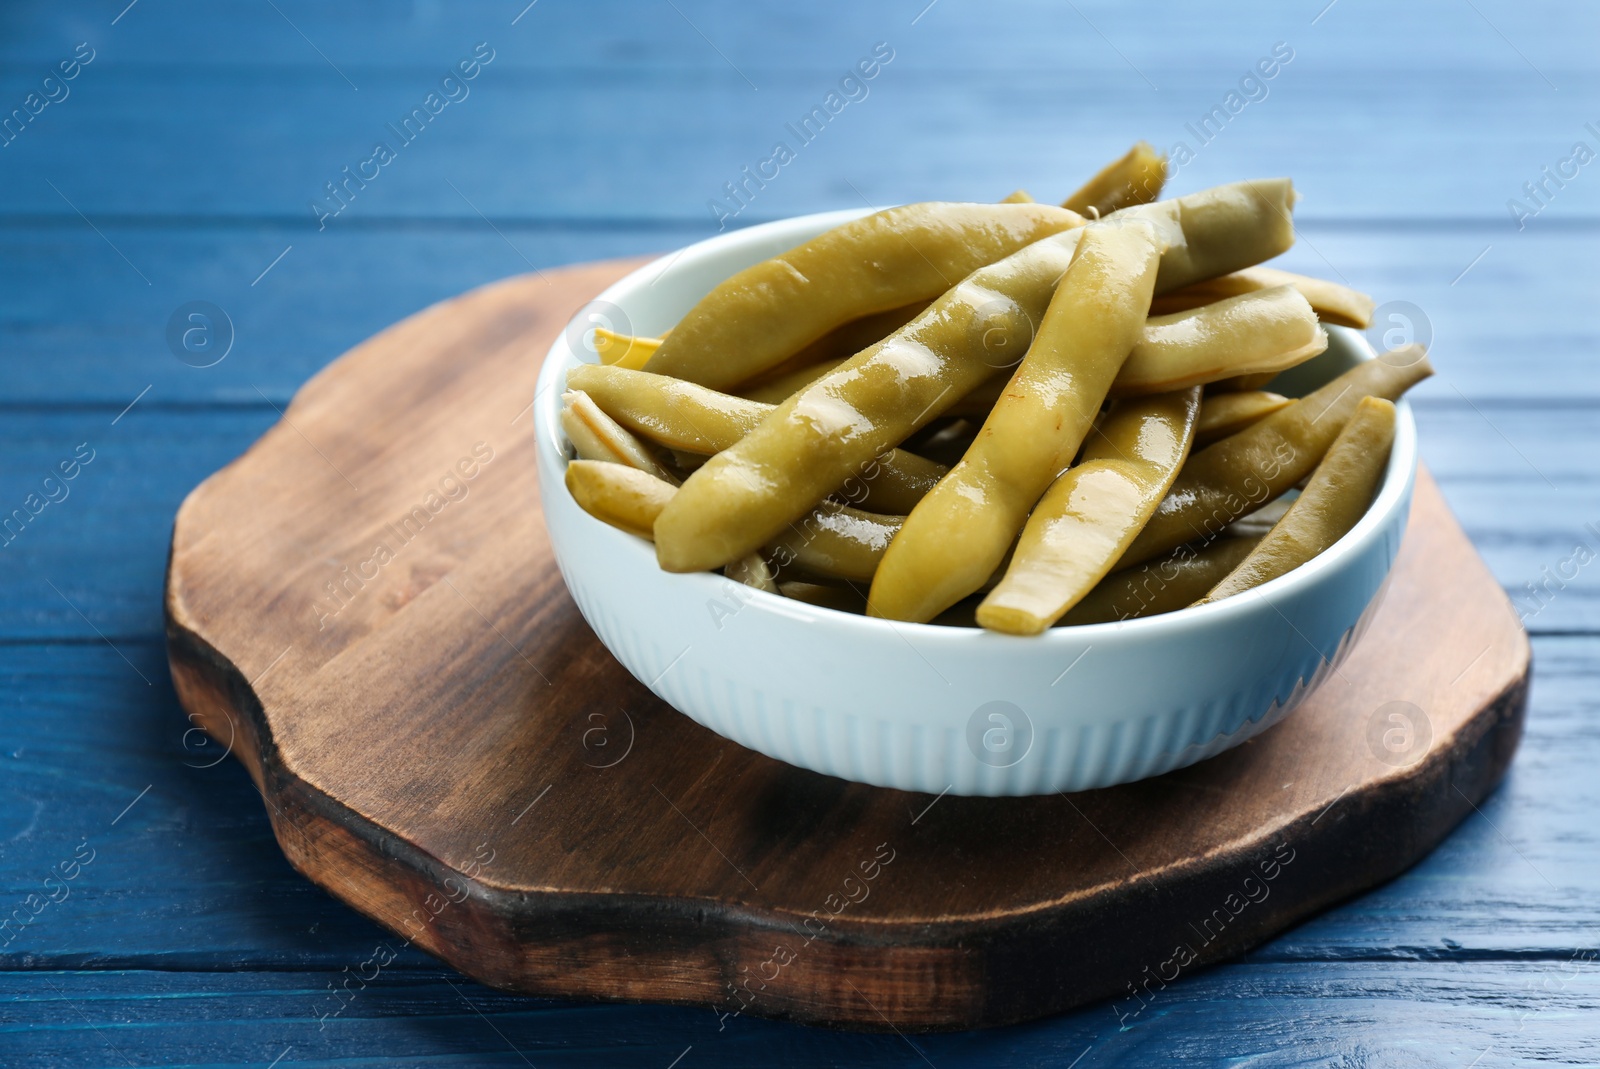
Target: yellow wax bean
{"points": [[1092, 513], [957, 535], [624, 350], [1163, 585], [1229, 413], [1017, 196], [1135, 178], [596, 436], [1338, 495], [1239, 474], [694, 419], [1334, 303], [1265, 331], [766, 313]]}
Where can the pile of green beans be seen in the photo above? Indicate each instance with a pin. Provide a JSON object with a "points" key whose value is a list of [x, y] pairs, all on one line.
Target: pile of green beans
{"points": [[1089, 378]]}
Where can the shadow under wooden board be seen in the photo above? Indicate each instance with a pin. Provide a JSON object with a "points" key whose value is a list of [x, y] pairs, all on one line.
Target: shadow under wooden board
{"points": [[444, 744]]}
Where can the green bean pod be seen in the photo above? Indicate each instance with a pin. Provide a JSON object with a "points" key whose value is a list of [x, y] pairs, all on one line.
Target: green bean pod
{"points": [[843, 342], [1241, 383], [766, 313], [754, 571], [1274, 329], [694, 419], [838, 597], [1222, 229], [836, 427], [1338, 495], [624, 497], [1239, 474], [836, 540], [1093, 512], [1334, 303], [1165, 584], [1135, 178], [596, 436], [957, 535], [823, 435], [1264, 331], [833, 540], [779, 388], [1229, 413]]}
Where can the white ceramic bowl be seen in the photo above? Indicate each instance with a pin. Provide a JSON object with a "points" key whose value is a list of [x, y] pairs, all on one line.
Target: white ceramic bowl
{"points": [[928, 708]]}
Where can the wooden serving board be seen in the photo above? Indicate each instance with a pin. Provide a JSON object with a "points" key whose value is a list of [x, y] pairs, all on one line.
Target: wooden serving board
{"points": [[442, 742]]}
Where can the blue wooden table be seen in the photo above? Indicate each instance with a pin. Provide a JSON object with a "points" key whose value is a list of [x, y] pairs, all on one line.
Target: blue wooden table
{"points": [[312, 175]]}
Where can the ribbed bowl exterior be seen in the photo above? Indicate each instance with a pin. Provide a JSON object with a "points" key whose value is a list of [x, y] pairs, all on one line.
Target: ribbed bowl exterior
{"points": [[958, 710]]}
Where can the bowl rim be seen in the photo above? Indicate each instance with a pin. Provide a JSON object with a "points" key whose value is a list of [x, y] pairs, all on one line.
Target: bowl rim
{"points": [[1398, 479]]}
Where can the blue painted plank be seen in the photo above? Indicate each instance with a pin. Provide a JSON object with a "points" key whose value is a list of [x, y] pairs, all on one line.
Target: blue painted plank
{"points": [[176, 867], [624, 144], [1535, 1013], [1504, 884], [995, 38], [603, 129], [91, 558], [185, 874], [81, 325], [587, 112]]}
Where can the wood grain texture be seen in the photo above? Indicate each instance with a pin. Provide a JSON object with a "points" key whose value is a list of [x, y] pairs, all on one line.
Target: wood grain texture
{"points": [[430, 743], [191, 879], [190, 940]]}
